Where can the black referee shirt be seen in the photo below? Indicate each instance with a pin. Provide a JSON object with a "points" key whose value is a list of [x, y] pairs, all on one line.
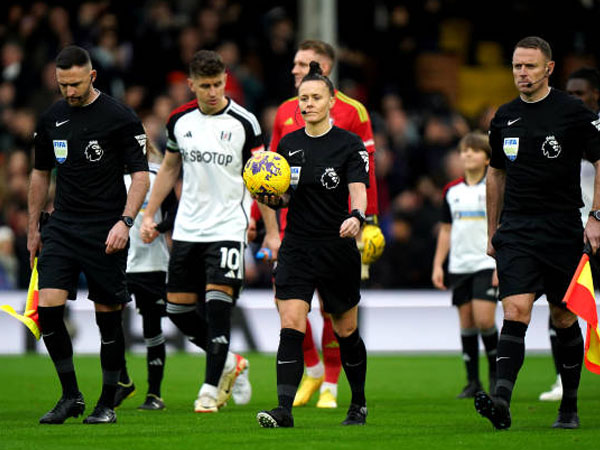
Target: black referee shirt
{"points": [[540, 145], [321, 168], [91, 147]]}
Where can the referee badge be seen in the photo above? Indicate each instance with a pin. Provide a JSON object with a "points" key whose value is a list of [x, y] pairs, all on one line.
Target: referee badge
{"points": [[61, 150], [295, 176], [511, 147]]}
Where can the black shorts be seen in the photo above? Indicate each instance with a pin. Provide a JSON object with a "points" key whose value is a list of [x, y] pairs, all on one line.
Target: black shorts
{"points": [[149, 290], [538, 254], [473, 286], [193, 265], [74, 244], [330, 266]]}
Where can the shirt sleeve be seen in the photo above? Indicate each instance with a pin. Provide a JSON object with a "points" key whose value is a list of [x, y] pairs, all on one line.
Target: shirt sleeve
{"points": [[497, 161], [591, 135], [172, 145], [43, 149], [357, 170], [133, 146], [361, 125], [254, 141]]}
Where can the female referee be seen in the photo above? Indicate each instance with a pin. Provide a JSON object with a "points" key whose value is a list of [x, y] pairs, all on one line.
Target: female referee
{"points": [[319, 250]]}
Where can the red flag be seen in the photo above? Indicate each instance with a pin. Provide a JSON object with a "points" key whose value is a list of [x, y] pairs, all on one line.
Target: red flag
{"points": [[30, 316], [581, 300]]}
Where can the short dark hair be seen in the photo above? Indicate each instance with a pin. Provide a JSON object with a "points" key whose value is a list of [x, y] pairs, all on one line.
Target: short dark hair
{"points": [[588, 74], [72, 55], [319, 47], [206, 63], [316, 73], [536, 42], [477, 141]]}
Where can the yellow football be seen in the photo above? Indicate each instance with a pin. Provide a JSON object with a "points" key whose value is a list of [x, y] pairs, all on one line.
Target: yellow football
{"points": [[373, 244], [267, 173]]}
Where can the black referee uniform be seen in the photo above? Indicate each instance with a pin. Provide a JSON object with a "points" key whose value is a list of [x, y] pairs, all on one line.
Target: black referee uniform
{"points": [[539, 239], [312, 254], [90, 147], [540, 146]]}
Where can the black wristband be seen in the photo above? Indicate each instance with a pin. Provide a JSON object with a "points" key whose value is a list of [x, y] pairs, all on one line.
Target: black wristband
{"points": [[359, 215]]}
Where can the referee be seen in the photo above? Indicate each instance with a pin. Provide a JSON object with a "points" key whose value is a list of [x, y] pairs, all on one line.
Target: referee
{"points": [[91, 139], [318, 249], [534, 226]]}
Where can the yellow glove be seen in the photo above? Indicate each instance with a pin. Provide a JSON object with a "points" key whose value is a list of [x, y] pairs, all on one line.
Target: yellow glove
{"points": [[373, 243]]}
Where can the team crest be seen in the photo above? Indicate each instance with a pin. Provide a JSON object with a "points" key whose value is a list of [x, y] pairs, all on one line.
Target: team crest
{"points": [[226, 136], [511, 147], [61, 150], [330, 179], [551, 148], [93, 151]]}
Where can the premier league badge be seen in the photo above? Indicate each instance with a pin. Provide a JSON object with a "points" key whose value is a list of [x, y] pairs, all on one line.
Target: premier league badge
{"points": [[511, 147], [61, 150], [295, 176]]}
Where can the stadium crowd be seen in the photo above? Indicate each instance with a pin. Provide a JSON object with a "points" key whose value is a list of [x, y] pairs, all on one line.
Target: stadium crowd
{"points": [[141, 50]]}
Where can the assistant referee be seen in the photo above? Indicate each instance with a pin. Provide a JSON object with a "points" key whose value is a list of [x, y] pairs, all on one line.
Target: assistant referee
{"points": [[534, 225], [91, 139]]}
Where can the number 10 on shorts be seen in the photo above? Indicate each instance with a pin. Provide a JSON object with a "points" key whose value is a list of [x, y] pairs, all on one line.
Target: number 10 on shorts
{"points": [[231, 262]]}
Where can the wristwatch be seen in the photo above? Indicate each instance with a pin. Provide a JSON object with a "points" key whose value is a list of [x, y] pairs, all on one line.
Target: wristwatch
{"points": [[359, 215], [595, 213], [127, 220]]}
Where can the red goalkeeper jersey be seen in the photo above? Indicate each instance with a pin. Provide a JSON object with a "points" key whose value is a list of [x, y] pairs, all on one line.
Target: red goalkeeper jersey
{"points": [[346, 113]]}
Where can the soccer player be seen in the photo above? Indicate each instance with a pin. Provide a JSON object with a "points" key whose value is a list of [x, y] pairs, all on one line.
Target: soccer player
{"points": [[211, 138], [319, 249], [585, 85], [463, 234], [351, 115], [534, 225], [91, 139], [146, 280]]}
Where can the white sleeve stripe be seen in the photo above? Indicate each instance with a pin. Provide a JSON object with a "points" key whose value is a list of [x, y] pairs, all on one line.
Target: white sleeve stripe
{"points": [[369, 142], [248, 116]]}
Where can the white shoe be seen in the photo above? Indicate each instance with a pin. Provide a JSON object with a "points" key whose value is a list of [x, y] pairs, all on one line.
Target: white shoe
{"points": [[205, 404], [242, 389], [227, 380], [554, 394]]}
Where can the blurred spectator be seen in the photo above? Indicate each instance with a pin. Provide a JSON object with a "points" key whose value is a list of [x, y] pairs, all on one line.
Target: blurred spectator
{"points": [[8, 261]]}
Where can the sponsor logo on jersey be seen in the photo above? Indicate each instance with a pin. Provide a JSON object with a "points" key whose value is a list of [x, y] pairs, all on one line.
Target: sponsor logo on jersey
{"points": [[330, 179], [511, 147], [93, 151], [226, 136], [188, 134], [295, 176], [61, 150], [551, 148], [198, 156], [365, 157]]}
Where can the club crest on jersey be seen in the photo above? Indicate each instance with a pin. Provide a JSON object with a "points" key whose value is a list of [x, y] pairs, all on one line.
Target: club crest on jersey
{"points": [[511, 147], [61, 150], [93, 151], [226, 136], [295, 176], [330, 179], [551, 148]]}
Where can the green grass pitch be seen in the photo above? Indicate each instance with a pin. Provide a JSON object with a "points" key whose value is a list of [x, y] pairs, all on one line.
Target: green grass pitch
{"points": [[410, 398]]}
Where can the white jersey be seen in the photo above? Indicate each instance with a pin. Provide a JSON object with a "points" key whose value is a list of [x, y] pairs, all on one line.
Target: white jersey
{"points": [[464, 208], [215, 204], [153, 257]]}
